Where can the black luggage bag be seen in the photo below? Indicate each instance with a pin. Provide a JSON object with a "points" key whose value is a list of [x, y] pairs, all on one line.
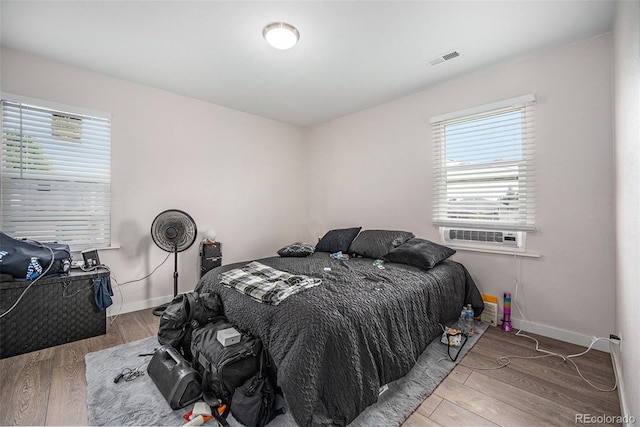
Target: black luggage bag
{"points": [[223, 369]]}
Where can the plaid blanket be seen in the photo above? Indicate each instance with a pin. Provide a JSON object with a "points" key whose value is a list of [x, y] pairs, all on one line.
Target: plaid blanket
{"points": [[265, 284]]}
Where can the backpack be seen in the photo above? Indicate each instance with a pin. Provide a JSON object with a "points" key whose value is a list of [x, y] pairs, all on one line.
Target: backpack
{"points": [[223, 369], [254, 402], [185, 313]]}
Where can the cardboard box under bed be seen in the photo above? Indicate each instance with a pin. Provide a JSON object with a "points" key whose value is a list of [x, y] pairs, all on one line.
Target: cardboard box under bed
{"points": [[54, 311]]}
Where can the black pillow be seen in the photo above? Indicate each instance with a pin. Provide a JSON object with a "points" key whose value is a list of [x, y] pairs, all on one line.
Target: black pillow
{"points": [[337, 240], [377, 243], [419, 253], [297, 249]]}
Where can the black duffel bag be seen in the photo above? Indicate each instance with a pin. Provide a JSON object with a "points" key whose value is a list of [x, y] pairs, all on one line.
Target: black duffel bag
{"points": [[27, 260], [223, 369]]}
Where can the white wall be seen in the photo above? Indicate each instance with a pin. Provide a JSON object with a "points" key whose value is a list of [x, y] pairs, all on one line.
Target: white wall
{"points": [[244, 175], [627, 158], [374, 169], [229, 170]]}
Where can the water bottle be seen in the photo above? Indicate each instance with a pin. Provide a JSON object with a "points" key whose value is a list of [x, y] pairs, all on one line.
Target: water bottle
{"points": [[339, 255], [462, 321], [469, 319]]}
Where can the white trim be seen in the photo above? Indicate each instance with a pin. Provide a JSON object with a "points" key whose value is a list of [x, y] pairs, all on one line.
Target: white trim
{"points": [[524, 99], [117, 309], [495, 251], [560, 334], [64, 108], [617, 370], [108, 248]]}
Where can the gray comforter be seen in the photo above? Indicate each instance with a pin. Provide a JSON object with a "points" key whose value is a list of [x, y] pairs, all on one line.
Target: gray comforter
{"points": [[334, 345]]}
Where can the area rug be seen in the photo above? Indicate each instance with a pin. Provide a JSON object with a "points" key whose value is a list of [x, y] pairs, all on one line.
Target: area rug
{"points": [[138, 402]]}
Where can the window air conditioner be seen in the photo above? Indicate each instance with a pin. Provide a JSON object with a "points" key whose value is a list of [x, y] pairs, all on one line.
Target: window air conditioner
{"points": [[477, 238]]}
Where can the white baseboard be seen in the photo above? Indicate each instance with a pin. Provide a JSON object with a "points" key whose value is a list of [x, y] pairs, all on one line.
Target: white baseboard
{"points": [[617, 369], [116, 309], [560, 334]]}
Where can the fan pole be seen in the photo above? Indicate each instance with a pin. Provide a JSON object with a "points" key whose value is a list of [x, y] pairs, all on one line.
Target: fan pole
{"points": [[175, 271], [160, 309]]}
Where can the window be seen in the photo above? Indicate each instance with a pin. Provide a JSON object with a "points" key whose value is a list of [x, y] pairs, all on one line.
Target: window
{"points": [[484, 167], [56, 174]]}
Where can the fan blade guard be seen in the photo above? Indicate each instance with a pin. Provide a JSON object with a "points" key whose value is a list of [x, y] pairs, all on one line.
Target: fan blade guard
{"points": [[174, 230]]}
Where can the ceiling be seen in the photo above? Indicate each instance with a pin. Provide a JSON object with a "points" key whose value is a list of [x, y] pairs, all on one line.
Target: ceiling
{"points": [[351, 55]]}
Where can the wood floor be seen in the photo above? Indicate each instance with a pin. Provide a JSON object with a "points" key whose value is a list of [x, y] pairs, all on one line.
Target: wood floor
{"points": [[529, 392], [48, 387]]}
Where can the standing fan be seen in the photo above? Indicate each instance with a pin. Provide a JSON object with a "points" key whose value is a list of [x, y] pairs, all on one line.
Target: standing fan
{"points": [[173, 231]]}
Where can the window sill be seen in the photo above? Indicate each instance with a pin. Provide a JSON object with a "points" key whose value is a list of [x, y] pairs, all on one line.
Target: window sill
{"points": [[496, 251], [108, 248], [116, 246]]}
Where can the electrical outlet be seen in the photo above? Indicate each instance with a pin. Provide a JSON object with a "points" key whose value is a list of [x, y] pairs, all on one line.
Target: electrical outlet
{"points": [[616, 339], [620, 336]]}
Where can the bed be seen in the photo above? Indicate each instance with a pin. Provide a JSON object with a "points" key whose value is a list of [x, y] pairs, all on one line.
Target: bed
{"points": [[335, 344]]}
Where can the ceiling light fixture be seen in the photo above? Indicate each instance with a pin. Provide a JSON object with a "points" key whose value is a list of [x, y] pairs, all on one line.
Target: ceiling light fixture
{"points": [[281, 35]]}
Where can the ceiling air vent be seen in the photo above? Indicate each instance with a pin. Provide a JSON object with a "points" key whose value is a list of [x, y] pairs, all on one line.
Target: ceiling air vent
{"points": [[444, 57]]}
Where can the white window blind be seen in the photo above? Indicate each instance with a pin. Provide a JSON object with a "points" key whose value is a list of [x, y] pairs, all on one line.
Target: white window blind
{"points": [[56, 176], [485, 166]]}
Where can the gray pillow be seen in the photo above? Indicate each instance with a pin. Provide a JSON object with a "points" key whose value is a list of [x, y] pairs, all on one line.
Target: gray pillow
{"points": [[419, 253], [297, 249], [337, 240], [377, 243]]}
